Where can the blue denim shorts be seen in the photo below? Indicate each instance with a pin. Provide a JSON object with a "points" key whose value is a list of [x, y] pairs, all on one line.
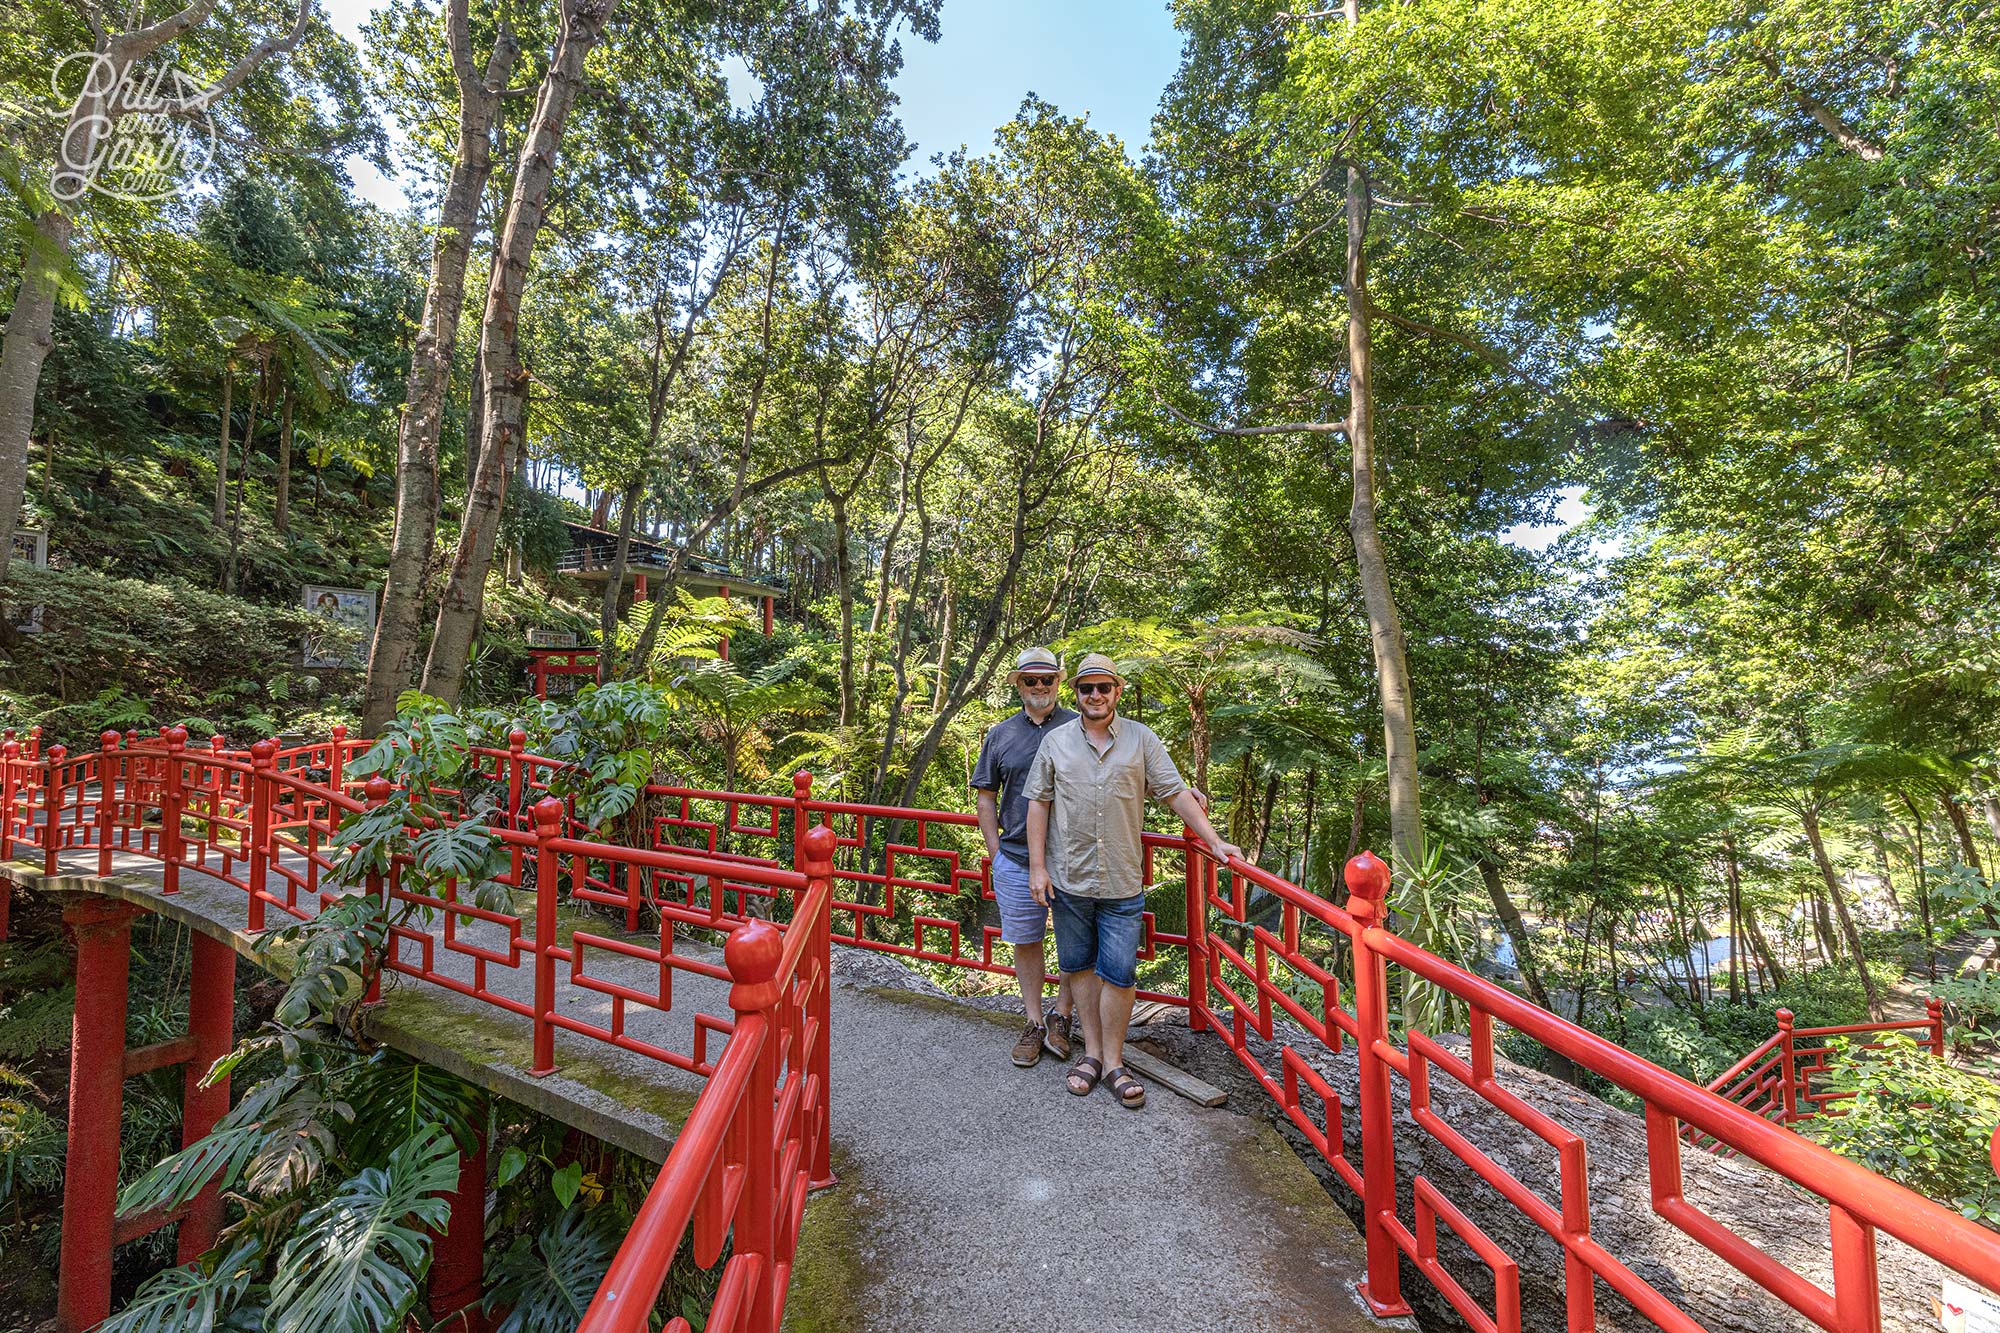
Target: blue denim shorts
{"points": [[1100, 935], [1022, 919]]}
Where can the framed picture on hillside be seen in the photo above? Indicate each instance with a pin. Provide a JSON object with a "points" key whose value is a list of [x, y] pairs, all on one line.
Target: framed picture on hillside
{"points": [[31, 547], [353, 610]]}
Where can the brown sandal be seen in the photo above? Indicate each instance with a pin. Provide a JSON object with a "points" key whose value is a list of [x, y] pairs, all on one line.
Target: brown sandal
{"points": [[1090, 1077], [1130, 1091]]}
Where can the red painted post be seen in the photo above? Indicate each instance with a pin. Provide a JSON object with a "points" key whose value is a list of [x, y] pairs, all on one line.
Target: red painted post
{"points": [[212, 1028], [1367, 890], [458, 1255], [517, 745], [337, 760], [548, 823], [53, 803], [376, 790], [818, 845], [1934, 1011], [752, 953], [802, 785], [770, 610], [170, 810], [722, 649], [1857, 1287], [103, 931], [1788, 1067], [541, 674], [34, 742], [107, 798], [1197, 931], [263, 790]]}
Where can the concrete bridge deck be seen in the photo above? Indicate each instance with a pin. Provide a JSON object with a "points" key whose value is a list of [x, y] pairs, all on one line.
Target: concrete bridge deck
{"points": [[972, 1195]]}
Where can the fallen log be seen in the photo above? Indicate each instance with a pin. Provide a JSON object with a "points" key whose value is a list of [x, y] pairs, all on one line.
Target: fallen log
{"points": [[1784, 1221]]}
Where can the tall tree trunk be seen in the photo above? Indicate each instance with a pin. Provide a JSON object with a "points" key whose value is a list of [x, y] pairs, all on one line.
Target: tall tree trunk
{"points": [[1385, 629], [1923, 886], [30, 334], [1767, 957], [281, 505], [843, 564], [500, 351], [392, 659], [1882, 868], [1517, 930], [1810, 818], [222, 446], [1955, 812], [614, 586], [944, 649], [1198, 737], [1734, 874], [1264, 816]]}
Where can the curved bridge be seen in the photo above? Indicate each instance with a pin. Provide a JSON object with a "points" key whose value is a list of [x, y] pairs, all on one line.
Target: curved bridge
{"points": [[757, 1071]]}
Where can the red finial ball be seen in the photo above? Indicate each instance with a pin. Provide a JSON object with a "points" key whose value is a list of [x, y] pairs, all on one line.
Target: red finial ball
{"points": [[10, 748], [177, 736], [376, 789], [818, 844], [340, 731], [56, 753], [1367, 886], [263, 752], [517, 739], [802, 785], [753, 952], [217, 744], [109, 740], [548, 816]]}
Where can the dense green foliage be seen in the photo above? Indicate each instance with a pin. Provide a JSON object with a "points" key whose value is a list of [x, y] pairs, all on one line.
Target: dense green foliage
{"points": [[1683, 326]]}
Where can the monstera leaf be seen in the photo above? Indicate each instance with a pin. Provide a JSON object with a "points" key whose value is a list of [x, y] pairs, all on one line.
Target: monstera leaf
{"points": [[353, 1262]]}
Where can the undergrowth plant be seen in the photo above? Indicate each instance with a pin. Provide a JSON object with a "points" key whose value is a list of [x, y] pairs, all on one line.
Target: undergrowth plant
{"points": [[1915, 1119]]}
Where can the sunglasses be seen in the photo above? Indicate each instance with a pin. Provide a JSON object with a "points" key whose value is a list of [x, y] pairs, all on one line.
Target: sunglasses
{"points": [[1038, 680], [1097, 687]]}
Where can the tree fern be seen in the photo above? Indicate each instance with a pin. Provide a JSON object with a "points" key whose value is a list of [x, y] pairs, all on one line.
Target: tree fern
{"points": [[353, 1262]]}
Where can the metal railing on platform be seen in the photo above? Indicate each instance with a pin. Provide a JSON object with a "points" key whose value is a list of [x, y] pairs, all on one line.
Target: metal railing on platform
{"points": [[267, 821]]}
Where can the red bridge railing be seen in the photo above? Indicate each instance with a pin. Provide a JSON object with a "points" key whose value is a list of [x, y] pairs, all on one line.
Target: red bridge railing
{"points": [[908, 882], [1780, 1079]]}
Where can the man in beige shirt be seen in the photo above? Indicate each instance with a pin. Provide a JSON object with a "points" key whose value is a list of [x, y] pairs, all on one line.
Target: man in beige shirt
{"points": [[1087, 797]]}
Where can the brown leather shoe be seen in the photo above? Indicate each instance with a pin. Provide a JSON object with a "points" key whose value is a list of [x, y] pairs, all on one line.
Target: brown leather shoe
{"points": [[1055, 1037], [1029, 1048]]}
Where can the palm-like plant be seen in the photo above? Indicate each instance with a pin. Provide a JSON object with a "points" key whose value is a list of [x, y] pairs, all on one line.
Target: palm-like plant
{"points": [[735, 709], [689, 631], [1205, 667]]}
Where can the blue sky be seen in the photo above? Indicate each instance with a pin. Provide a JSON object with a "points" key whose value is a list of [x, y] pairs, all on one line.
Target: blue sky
{"points": [[1110, 58]]}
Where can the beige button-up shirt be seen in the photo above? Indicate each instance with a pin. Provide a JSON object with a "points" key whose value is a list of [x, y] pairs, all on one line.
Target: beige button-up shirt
{"points": [[1098, 805]]}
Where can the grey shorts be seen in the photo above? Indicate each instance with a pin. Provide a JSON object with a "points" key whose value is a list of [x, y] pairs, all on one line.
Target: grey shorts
{"points": [[1022, 919]]}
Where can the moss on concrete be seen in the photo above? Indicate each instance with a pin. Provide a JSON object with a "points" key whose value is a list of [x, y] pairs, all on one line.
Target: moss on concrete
{"points": [[830, 1273], [942, 1004], [496, 1051]]}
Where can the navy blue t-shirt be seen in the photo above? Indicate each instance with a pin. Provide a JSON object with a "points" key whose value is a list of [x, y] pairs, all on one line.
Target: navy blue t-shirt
{"points": [[1004, 760]]}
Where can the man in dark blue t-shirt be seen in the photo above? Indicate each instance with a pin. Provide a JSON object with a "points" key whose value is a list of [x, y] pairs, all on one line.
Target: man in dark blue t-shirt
{"points": [[1000, 778]]}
